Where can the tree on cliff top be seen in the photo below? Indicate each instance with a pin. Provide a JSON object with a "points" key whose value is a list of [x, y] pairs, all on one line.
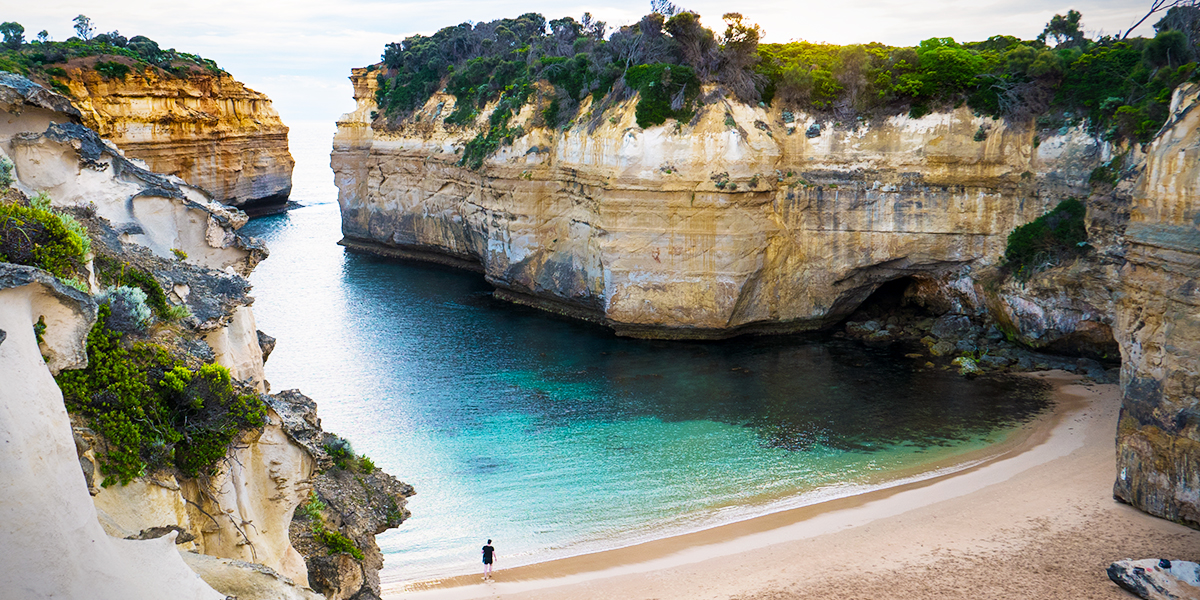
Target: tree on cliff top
{"points": [[84, 27], [14, 34], [39, 59]]}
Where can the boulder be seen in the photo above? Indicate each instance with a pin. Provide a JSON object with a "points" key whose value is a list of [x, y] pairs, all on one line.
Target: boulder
{"points": [[951, 326], [967, 366], [1157, 579]]}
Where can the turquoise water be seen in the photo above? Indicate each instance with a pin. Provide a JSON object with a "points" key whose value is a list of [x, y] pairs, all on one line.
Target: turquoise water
{"points": [[556, 438]]}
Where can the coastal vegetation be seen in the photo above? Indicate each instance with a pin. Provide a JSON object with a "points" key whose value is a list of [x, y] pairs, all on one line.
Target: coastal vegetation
{"points": [[335, 542], [34, 234], [1119, 87], [153, 408], [111, 54], [1060, 233]]}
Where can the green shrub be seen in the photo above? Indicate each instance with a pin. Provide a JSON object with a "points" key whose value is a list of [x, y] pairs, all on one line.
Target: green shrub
{"points": [[129, 313], [179, 254], [667, 92], [336, 542], [1058, 233], [153, 410], [312, 508], [6, 169], [113, 272], [38, 236], [112, 69], [365, 464], [39, 329]]}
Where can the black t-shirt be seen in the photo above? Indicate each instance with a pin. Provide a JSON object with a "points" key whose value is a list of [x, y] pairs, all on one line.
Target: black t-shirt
{"points": [[487, 553]]}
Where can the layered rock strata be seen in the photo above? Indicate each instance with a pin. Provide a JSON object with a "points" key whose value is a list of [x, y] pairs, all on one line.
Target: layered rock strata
{"points": [[752, 220], [206, 128], [1158, 326], [744, 220], [241, 512]]}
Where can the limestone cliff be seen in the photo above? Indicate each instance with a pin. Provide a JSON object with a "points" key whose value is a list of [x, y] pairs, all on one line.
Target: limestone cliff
{"points": [[747, 219], [187, 247], [205, 128], [1158, 325], [52, 544], [750, 219]]}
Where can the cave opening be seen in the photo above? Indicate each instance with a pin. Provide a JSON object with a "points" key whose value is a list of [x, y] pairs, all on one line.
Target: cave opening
{"points": [[900, 299]]}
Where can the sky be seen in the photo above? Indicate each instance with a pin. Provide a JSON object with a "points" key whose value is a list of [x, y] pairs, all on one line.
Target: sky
{"points": [[299, 52]]}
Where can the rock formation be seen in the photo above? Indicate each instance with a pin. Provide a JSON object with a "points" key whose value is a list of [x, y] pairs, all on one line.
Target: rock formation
{"points": [[205, 128], [240, 513], [52, 544], [735, 223], [757, 220], [1158, 326], [1157, 579]]}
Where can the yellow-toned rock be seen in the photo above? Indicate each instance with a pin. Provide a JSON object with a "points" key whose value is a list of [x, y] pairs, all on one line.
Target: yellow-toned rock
{"points": [[1158, 325], [703, 229], [206, 128]]}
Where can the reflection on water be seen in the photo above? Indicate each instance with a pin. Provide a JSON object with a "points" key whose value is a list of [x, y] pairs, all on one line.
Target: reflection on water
{"points": [[554, 437]]}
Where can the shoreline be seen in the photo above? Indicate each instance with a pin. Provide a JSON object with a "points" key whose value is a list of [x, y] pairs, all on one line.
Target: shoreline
{"points": [[1079, 428]]}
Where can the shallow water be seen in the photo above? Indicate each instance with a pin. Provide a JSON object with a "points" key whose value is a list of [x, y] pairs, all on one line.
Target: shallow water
{"points": [[554, 437]]}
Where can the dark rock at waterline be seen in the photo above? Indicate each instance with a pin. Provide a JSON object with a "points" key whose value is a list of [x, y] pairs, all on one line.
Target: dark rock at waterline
{"points": [[994, 361], [951, 326], [1157, 579]]}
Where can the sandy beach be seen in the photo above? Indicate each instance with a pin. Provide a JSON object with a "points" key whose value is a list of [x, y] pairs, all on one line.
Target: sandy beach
{"points": [[1036, 520]]}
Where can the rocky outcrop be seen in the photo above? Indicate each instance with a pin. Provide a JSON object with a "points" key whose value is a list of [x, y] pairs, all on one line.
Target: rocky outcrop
{"points": [[76, 168], [355, 499], [736, 222], [205, 128], [52, 544], [239, 512], [732, 223], [1157, 579], [1158, 326]]}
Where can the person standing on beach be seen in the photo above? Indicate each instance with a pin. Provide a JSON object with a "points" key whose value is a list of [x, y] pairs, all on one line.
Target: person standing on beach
{"points": [[489, 556]]}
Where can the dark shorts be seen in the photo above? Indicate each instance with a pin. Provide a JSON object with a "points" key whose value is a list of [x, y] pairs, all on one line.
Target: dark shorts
{"points": [[487, 561]]}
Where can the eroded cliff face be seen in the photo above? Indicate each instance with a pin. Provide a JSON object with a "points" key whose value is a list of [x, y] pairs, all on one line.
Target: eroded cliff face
{"points": [[52, 544], [62, 541], [744, 220], [1158, 316], [206, 128]]}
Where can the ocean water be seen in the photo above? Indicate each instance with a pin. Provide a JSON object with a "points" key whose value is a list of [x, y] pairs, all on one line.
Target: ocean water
{"points": [[557, 438]]}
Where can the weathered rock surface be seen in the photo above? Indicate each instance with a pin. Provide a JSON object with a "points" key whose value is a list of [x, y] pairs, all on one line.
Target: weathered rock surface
{"points": [[52, 545], [1157, 579], [359, 504], [246, 581], [242, 511], [206, 128], [1158, 326], [703, 230]]}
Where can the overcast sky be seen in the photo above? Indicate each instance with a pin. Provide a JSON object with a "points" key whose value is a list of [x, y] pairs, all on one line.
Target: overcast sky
{"points": [[300, 52]]}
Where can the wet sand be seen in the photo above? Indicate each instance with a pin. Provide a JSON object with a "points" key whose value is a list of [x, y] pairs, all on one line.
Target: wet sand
{"points": [[1035, 519]]}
